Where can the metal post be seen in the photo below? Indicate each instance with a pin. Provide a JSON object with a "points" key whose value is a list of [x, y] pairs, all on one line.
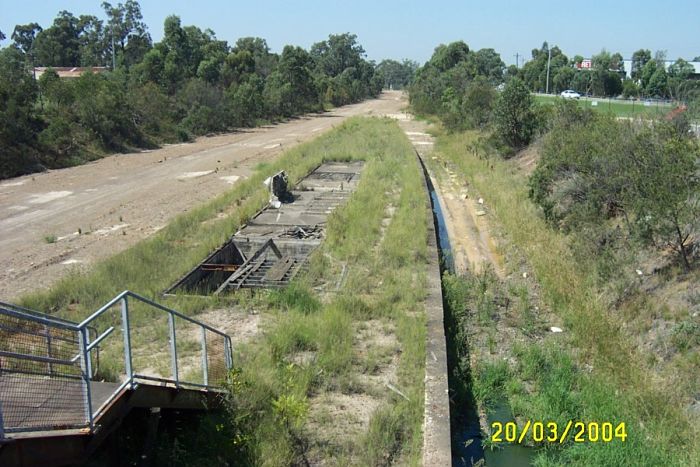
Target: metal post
{"points": [[205, 360], [126, 332], [173, 348], [87, 396], [89, 354], [48, 348], [2, 424], [228, 353]]}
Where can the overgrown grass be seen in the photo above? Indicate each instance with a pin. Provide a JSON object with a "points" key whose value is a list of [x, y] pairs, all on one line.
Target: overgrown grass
{"points": [[152, 265], [593, 371], [310, 346], [384, 284]]}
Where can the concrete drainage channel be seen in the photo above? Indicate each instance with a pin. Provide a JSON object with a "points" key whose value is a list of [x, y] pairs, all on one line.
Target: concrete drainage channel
{"points": [[271, 249]]}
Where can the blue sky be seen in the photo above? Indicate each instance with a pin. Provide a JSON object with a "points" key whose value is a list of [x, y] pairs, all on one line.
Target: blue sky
{"points": [[412, 29]]}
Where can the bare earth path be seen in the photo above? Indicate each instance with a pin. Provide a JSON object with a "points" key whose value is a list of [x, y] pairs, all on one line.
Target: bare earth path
{"points": [[473, 246], [121, 199]]}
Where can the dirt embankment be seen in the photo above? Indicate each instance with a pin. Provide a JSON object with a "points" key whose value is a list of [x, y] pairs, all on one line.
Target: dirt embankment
{"points": [[55, 221]]}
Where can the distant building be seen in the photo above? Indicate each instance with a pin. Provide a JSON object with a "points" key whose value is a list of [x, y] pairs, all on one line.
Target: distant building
{"points": [[69, 72]]}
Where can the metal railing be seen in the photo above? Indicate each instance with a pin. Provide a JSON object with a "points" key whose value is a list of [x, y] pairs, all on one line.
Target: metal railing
{"points": [[49, 372]]}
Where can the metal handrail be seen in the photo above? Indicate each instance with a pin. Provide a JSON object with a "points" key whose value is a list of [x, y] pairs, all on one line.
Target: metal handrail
{"points": [[36, 313], [30, 315], [128, 293], [131, 377], [47, 320], [86, 347]]}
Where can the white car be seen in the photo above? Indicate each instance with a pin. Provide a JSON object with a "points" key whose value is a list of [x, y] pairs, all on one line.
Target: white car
{"points": [[570, 94]]}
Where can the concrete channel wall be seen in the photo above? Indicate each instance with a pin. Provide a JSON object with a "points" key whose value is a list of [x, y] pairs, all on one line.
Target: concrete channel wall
{"points": [[437, 449]]}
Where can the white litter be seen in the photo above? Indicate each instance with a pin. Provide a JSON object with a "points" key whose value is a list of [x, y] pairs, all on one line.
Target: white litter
{"points": [[556, 329]]}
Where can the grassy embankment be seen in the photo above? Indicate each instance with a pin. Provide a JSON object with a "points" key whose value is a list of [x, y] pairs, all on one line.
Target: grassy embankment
{"points": [[631, 109], [313, 384], [592, 371]]}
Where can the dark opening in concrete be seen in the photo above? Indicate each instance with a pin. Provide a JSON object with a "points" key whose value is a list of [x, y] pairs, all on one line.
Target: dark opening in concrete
{"points": [[271, 249]]}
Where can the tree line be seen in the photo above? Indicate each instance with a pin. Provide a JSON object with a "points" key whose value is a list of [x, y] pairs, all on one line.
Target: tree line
{"points": [[190, 83], [606, 77], [616, 185], [457, 84]]}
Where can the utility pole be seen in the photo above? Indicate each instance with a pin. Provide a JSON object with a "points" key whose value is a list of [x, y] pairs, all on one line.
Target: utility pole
{"points": [[517, 60], [549, 60]]}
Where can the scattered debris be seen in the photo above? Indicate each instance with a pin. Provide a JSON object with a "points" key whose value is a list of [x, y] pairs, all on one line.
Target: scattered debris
{"points": [[556, 329], [315, 231], [278, 189]]}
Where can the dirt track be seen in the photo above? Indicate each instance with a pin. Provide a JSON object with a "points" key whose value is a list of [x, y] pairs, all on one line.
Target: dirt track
{"points": [[121, 199], [473, 246]]}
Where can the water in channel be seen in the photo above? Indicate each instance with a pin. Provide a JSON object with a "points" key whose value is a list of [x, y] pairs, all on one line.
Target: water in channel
{"points": [[467, 448]]}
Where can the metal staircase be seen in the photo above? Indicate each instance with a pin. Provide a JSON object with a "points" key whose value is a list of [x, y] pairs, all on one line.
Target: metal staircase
{"points": [[74, 382]]}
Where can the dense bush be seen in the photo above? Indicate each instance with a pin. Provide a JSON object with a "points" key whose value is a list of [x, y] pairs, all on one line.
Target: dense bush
{"points": [[638, 181], [514, 115], [19, 122], [457, 85], [190, 83]]}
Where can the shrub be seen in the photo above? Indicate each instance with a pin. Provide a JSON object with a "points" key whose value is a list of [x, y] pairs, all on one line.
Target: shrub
{"points": [[514, 115]]}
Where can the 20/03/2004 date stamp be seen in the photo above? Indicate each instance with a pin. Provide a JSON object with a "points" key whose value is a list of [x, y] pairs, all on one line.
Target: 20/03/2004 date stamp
{"points": [[553, 432]]}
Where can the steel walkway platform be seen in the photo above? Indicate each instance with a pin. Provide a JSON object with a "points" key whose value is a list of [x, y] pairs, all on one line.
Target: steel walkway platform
{"points": [[56, 406]]}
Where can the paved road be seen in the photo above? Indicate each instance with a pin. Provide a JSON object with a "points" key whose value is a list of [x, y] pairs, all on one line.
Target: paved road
{"points": [[123, 198]]}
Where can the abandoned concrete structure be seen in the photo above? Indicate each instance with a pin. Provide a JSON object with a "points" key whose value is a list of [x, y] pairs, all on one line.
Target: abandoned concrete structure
{"points": [[271, 249]]}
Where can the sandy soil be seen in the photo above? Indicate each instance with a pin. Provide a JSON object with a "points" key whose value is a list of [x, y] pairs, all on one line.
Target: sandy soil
{"points": [[55, 221], [466, 219]]}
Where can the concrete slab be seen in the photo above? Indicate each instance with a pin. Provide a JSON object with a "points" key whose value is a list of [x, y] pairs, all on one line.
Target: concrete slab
{"points": [[274, 246]]}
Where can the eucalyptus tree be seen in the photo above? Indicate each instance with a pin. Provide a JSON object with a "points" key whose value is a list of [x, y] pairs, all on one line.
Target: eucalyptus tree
{"points": [[24, 36]]}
